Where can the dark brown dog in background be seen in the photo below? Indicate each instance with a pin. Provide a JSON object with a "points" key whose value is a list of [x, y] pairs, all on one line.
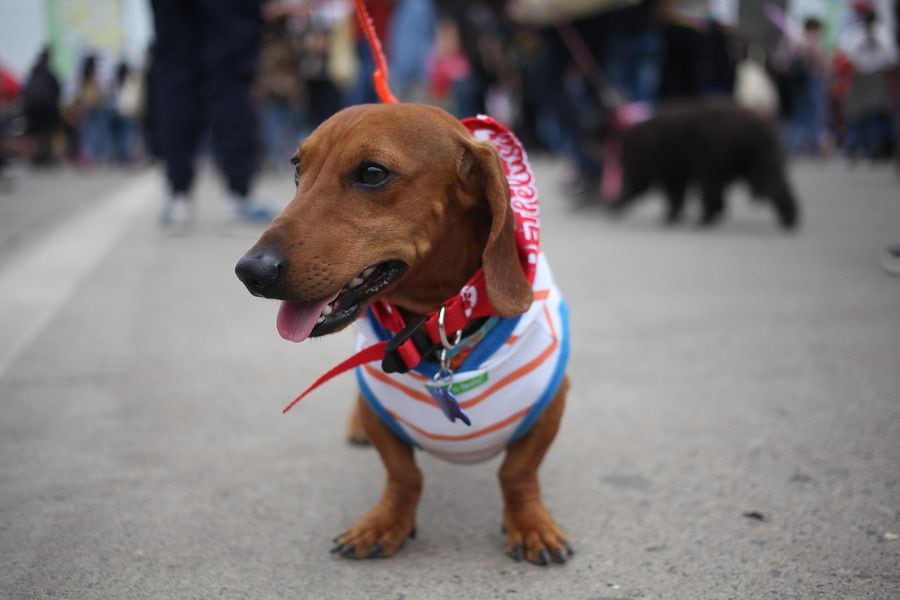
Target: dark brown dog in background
{"points": [[707, 144], [404, 197]]}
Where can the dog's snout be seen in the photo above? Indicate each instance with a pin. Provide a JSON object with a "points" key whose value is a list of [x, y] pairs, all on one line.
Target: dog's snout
{"points": [[260, 270]]}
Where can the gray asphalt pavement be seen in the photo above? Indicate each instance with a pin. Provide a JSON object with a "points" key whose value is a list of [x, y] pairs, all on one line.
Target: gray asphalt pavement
{"points": [[715, 375]]}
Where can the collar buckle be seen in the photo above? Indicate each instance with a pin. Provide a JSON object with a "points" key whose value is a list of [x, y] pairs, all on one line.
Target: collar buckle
{"points": [[406, 350]]}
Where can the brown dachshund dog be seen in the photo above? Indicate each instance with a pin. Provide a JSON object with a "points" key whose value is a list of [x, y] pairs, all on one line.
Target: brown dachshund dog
{"points": [[400, 203]]}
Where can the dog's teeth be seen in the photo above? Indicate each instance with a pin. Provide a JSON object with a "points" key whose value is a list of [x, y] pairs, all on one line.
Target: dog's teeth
{"points": [[357, 281], [327, 310], [320, 320], [368, 271]]}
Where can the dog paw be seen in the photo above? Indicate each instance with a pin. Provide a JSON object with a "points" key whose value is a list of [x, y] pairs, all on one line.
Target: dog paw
{"points": [[377, 535], [533, 535]]}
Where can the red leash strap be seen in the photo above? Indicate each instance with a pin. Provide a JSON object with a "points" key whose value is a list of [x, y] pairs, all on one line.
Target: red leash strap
{"points": [[380, 76], [366, 355]]}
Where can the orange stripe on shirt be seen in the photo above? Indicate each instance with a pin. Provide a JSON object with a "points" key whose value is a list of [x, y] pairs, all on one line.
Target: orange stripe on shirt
{"points": [[441, 437], [388, 380], [517, 374]]}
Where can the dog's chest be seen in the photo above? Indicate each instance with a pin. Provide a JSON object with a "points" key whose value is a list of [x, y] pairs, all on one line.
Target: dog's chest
{"points": [[503, 385]]}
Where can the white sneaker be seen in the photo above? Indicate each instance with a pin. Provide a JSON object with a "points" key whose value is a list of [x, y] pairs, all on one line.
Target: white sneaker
{"points": [[178, 215], [250, 210]]}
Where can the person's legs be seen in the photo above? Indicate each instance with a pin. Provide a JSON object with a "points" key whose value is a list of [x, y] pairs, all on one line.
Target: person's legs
{"points": [[802, 128], [229, 49], [362, 91], [818, 96], [853, 138], [274, 120], [645, 85], [177, 103]]}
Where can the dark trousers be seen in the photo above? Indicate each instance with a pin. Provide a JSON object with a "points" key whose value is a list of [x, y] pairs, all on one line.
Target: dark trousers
{"points": [[205, 61], [684, 63]]}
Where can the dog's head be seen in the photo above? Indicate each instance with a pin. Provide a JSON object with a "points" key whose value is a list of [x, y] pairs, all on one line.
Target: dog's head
{"points": [[393, 201]]}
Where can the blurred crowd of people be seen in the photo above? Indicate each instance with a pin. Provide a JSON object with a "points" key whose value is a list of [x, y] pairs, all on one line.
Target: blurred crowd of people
{"points": [[99, 123], [558, 82], [845, 98]]}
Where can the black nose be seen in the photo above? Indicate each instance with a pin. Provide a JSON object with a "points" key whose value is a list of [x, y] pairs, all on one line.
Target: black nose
{"points": [[260, 270]]}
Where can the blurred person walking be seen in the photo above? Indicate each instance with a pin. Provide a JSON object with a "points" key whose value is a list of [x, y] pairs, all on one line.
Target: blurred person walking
{"points": [[40, 104], [684, 59], [10, 90], [205, 59], [127, 103], [279, 89], [412, 37], [323, 97], [700, 58], [804, 66], [872, 52], [634, 51], [94, 117]]}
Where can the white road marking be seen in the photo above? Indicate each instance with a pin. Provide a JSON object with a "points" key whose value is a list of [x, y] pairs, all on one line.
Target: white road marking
{"points": [[37, 283]]}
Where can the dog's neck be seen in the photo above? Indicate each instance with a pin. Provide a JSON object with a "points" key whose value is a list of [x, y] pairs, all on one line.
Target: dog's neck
{"points": [[448, 265]]}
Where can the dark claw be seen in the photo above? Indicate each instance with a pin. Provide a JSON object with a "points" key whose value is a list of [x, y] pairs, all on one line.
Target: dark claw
{"points": [[544, 557], [569, 548], [337, 549], [359, 441], [338, 538], [518, 553], [560, 555], [412, 534], [348, 551], [376, 552]]}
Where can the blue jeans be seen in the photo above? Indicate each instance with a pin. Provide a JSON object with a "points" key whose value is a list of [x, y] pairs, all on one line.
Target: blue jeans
{"points": [[280, 132], [868, 134], [634, 63], [96, 135], [804, 131], [362, 91]]}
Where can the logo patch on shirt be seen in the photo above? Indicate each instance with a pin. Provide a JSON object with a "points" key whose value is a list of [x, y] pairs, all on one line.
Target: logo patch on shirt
{"points": [[466, 385]]}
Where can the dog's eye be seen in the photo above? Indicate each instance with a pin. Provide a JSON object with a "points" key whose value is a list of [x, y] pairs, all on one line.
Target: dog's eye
{"points": [[372, 175]]}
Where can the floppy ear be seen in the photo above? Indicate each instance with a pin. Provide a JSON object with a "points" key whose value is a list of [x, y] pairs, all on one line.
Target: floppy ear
{"points": [[507, 287]]}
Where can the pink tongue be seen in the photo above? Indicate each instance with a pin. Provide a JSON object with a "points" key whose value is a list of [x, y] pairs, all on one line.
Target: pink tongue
{"points": [[297, 319]]}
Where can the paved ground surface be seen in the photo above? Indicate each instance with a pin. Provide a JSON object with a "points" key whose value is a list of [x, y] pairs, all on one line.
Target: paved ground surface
{"points": [[143, 453]]}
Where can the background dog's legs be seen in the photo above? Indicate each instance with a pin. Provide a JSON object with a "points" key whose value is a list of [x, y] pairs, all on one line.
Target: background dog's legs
{"points": [[531, 532], [784, 203], [387, 524], [675, 190], [713, 203]]}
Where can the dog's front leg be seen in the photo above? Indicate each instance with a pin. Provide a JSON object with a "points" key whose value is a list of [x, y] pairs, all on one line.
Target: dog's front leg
{"points": [[390, 522], [531, 532]]}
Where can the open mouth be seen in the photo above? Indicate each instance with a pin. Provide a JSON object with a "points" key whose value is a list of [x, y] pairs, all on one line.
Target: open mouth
{"points": [[300, 320]]}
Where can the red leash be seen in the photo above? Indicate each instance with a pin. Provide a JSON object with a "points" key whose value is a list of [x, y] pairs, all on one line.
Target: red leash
{"points": [[380, 76]]}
